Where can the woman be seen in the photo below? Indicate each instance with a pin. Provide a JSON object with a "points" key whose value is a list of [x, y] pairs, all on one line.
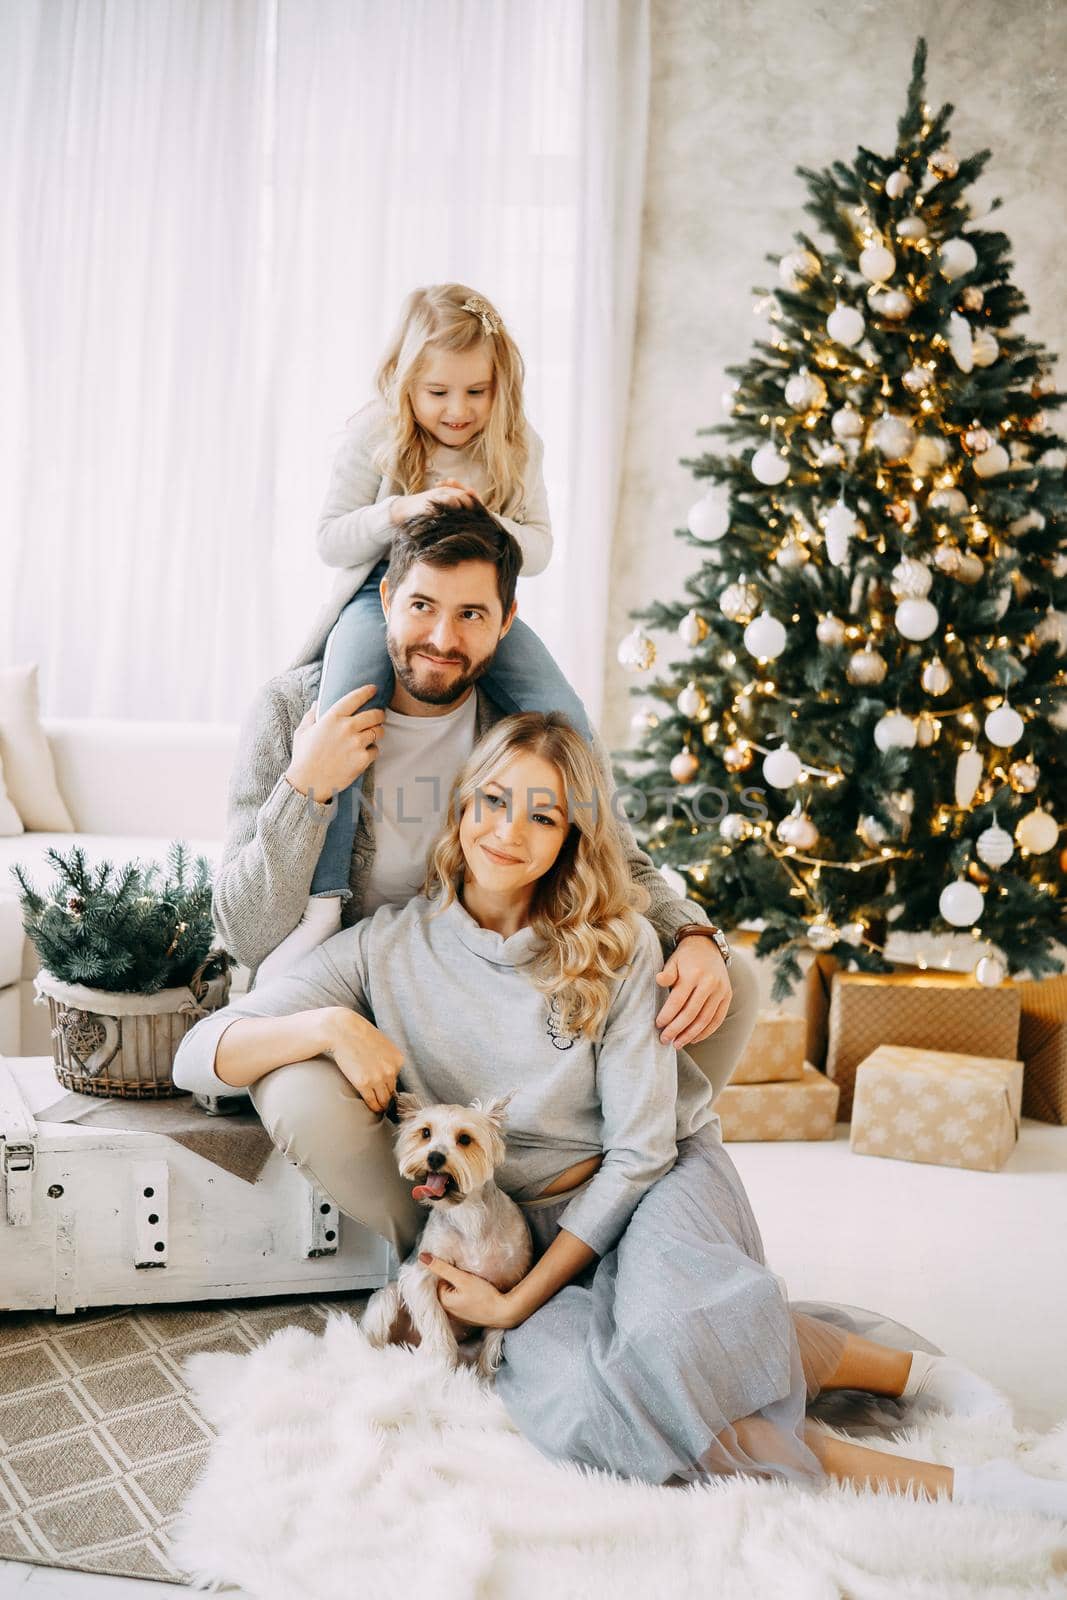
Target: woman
{"points": [[648, 1338]]}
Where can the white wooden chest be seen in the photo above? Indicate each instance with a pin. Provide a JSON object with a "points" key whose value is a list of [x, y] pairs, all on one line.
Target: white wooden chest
{"points": [[94, 1216]]}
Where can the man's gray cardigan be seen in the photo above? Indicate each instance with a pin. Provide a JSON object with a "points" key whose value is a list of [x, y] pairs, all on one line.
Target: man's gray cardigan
{"points": [[274, 834]]}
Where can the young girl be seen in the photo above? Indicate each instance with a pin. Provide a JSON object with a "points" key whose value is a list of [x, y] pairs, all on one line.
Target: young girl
{"points": [[448, 428]]}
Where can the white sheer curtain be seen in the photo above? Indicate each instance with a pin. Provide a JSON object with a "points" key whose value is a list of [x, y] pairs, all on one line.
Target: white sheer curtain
{"points": [[212, 210]]}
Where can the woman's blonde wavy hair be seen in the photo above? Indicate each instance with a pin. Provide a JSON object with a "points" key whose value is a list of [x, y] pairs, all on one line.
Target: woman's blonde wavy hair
{"points": [[436, 318], [585, 908]]}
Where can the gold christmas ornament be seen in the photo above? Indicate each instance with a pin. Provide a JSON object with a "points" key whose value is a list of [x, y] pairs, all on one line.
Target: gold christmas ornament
{"points": [[637, 651], [901, 512], [972, 298], [927, 730], [692, 630], [971, 569], [737, 757], [936, 678], [735, 829], [1024, 776], [975, 440], [798, 830], [710, 733], [684, 766], [830, 631], [1037, 832], [866, 667]]}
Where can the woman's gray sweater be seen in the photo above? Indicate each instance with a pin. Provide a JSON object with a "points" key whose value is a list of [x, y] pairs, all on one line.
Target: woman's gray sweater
{"points": [[457, 1000]]}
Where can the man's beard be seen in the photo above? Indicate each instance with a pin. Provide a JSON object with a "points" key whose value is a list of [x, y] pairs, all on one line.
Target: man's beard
{"points": [[428, 687]]}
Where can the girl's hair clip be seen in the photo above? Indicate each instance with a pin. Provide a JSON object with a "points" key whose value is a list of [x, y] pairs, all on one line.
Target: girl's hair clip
{"points": [[481, 308]]}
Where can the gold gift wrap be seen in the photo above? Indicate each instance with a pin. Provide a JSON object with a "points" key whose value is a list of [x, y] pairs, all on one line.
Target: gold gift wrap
{"points": [[1043, 1047], [803, 1109], [939, 1011], [936, 1106], [775, 1052]]}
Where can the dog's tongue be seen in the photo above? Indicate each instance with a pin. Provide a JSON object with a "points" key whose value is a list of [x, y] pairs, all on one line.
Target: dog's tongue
{"points": [[434, 1187]]}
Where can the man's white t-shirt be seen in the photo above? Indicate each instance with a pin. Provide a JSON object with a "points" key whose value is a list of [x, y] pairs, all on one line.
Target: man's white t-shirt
{"points": [[412, 779]]}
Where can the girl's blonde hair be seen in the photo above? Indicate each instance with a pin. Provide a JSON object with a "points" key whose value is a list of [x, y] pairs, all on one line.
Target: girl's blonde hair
{"points": [[440, 317], [585, 908]]}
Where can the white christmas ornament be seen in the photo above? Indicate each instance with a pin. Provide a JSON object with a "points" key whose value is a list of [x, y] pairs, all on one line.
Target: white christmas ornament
{"points": [[951, 502], [959, 342], [985, 348], [916, 619], [917, 380], [798, 830], [897, 184], [866, 667], [791, 553], [739, 601], [829, 454], [936, 678], [637, 652], [805, 391], [690, 701], [961, 903], [853, 933], [796, 268], [674, 881], [706, 520], [968, 777], [911, 227], [734, 827], [990, 972], [1021, 525], [1004, 727], [692, 630], [840, 526], [877, 263], [846, 423], [768, 466], [643, 722], [1037, 832], [821, 935], [911, 579], [994, 846], [991, 462], [684, 766], [894, 731], [893, 436], [930, 452], [846, 326], [958, 257], [782, 768], [765, 637], [927, 730], [1052, 629], [830, 631], [893, 304]]}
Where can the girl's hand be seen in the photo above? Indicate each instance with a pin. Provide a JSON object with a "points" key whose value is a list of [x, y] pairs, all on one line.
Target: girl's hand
{"points": [[368, 1058], [468, 1298], [448, 493]]}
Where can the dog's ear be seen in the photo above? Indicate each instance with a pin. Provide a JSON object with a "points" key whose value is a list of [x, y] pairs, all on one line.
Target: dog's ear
{"points": [[407, 1105], [495, 1110]]}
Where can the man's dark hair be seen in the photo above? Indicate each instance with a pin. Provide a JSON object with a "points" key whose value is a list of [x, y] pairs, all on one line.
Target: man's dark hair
{"points": [[447, 535]]}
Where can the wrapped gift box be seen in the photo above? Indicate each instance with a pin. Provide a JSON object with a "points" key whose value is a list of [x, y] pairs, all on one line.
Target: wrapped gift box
{"points": [[936, 1106], [802, 1109], [1043, 1047], [939, 1011], [775, 1052]]}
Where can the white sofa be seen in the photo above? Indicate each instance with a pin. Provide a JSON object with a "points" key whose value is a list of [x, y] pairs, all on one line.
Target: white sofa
{"points": [[131, 788]]}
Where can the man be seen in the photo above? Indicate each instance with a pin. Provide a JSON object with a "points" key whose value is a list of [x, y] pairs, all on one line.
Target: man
{"points": [[449, 598]]}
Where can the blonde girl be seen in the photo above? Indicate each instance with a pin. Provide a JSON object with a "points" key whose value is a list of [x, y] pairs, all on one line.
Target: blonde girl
{"points": [[447, 427]]}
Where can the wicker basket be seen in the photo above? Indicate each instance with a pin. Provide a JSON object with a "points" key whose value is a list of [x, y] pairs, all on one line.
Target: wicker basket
{"points": [[123, 1045]]}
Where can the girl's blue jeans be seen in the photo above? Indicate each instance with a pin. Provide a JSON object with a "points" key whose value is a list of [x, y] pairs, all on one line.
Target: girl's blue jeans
{"points": [[523, 677]]}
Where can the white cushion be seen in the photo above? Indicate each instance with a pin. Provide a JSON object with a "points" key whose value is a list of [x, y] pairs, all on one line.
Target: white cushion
{"points": [[146, 778], [29, 772], [11, 939], [10, 821]]}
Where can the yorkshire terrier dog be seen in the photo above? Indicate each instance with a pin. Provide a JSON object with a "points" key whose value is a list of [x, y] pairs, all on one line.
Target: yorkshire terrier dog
{"points": [[451, 1153]]}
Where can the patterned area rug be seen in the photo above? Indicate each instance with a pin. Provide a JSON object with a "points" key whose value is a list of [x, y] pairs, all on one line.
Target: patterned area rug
{"points": [[100, 1441]]}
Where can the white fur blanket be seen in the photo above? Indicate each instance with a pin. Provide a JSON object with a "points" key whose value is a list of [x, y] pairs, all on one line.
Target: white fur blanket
{"points": [[343, 1471]]}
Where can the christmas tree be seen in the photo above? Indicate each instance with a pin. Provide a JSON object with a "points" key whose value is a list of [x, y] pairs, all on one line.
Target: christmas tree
{"points": [[862, 737]]}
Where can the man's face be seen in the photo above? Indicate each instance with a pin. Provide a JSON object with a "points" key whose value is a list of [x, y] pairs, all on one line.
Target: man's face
{"points": [[443, 626]]}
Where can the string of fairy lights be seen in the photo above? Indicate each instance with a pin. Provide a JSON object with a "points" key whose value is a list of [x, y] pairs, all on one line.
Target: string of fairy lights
{"points": [[923, 453]]}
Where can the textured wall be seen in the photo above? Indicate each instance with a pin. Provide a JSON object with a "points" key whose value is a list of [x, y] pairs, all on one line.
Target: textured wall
{"points": [[743, 92]]}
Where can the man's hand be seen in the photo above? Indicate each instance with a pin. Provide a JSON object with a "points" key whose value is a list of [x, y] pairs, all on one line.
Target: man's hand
{"points": [[331, 753], [368, 1058], [467, 1297], [700, 993]]}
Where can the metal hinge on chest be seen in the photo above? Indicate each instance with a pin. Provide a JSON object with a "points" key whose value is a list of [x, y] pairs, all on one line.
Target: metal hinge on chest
{"points": [[18, 1162]]}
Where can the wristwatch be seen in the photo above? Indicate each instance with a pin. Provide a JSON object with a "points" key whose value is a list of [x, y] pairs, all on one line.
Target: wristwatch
{"points": [[706, 930]]}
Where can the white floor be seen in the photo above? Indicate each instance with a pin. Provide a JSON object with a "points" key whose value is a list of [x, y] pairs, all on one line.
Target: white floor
{"points": [[975, 1261]]}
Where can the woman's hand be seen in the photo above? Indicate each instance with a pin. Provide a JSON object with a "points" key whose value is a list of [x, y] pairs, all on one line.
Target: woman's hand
{"points": [[368, 1058], [449, 492], [468, 1298]]}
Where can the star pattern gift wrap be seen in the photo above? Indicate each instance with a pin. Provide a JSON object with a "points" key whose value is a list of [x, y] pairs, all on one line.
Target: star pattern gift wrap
{"points": [[933, 1106], [939, 1011], [1043, 1046], [804, 1109], [775, 1052]]}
